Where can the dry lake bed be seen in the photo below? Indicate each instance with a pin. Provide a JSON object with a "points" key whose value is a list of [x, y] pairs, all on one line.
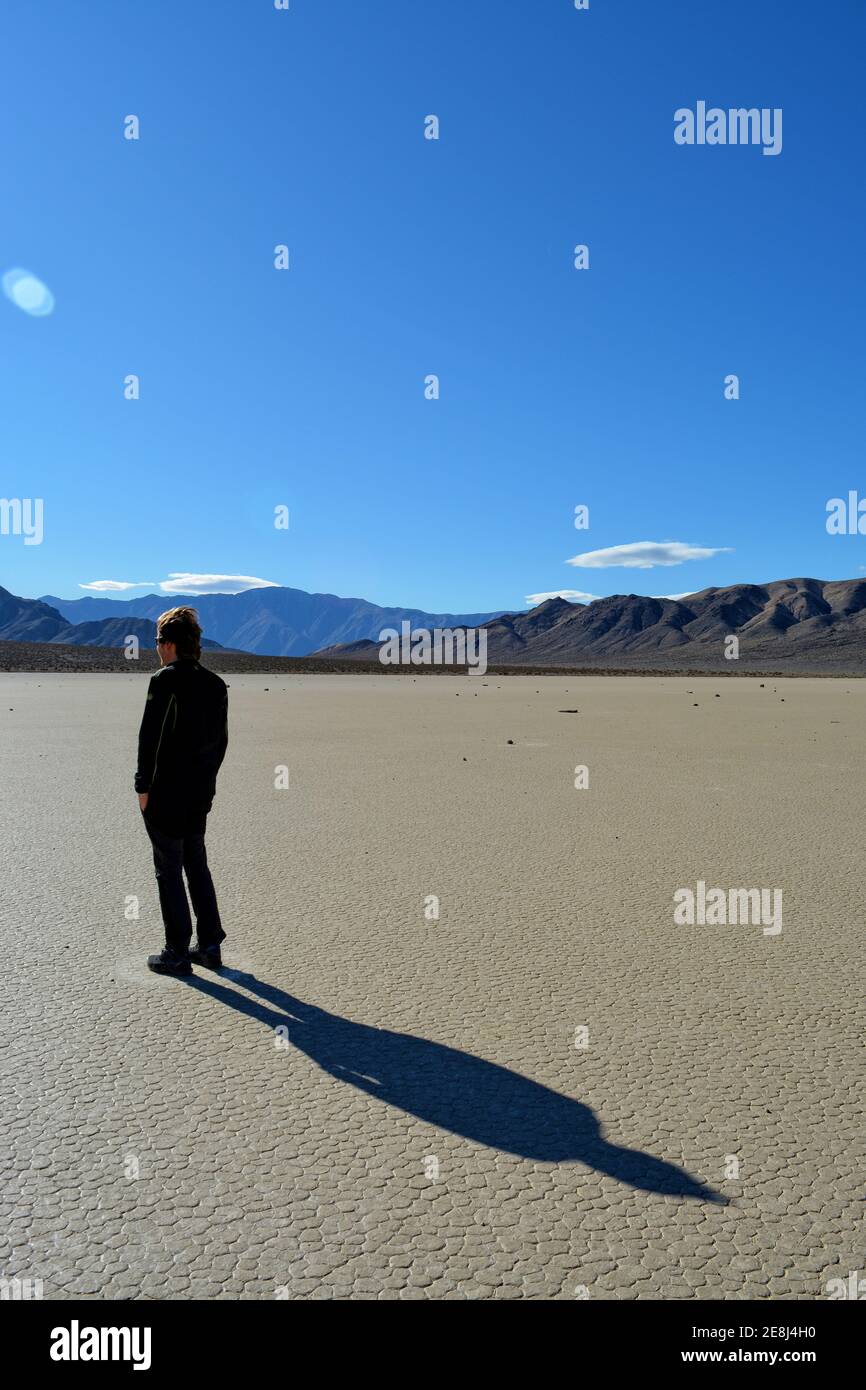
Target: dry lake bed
{"points": [[462, 1048]]}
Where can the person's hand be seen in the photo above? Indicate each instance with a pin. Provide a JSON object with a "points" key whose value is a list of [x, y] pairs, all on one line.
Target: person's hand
{"points": [[142, 800]]}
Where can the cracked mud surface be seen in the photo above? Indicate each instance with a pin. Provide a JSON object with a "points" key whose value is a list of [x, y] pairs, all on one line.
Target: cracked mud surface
{"points": [[371, 1104]]}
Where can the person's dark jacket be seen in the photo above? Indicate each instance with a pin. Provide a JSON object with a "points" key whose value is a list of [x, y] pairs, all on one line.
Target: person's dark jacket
{"points": [[181, 745]]}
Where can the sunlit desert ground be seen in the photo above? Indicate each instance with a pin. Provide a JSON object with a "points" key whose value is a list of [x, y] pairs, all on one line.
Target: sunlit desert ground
{"points": [[461, 1049]]}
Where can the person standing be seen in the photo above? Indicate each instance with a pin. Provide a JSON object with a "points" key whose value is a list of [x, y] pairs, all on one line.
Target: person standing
{"points": [[181, 746]]}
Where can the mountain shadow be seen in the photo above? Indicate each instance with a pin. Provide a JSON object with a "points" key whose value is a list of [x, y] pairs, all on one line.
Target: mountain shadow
{"points": [[453, 1090]]}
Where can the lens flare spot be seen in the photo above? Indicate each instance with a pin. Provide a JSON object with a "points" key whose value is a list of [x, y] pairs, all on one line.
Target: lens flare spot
{"points": [[28, 292]]}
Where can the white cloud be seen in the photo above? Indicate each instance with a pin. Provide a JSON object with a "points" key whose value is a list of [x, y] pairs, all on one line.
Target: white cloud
{"points": [[112, 586], [573, 596], [644, 555], [179, 583], [182, 583]]}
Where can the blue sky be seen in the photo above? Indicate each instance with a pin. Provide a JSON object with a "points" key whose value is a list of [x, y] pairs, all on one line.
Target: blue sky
{"points": [[409, 257]]}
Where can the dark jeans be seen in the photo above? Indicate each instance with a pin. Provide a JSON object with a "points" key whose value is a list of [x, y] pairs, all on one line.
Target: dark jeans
{"points": [[172, 856]]}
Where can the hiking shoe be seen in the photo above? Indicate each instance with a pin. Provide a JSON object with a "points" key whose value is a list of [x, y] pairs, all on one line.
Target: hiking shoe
{"points": [[208, 956], [167, 964]]}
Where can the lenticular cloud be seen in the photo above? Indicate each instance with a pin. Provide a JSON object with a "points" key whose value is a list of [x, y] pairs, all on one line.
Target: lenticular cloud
{"points": [[28, 292]]}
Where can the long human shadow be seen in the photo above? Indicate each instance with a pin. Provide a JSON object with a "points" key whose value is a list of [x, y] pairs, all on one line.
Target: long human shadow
{"points": [[454, 1090]]}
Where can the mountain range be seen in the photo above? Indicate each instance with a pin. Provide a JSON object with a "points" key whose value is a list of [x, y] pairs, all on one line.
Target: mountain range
{"points": [[813, 621], [814, 624], [270, 622], [34, 620]]}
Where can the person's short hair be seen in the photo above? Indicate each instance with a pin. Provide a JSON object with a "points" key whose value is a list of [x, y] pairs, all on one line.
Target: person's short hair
{"points": [[180, 626]]}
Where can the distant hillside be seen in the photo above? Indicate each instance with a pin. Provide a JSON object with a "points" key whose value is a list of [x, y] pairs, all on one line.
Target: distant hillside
{"points": [[809, 623], [272, 622], [32, 620], [27, 619], [113, 632]]}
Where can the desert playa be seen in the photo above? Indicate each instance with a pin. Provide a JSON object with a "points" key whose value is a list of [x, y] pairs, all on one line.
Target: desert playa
{"points": [[463, 1049]]}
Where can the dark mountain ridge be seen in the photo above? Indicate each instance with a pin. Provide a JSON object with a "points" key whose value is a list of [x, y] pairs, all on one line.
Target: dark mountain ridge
{"points": [[809, 620], [33, 620]]}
